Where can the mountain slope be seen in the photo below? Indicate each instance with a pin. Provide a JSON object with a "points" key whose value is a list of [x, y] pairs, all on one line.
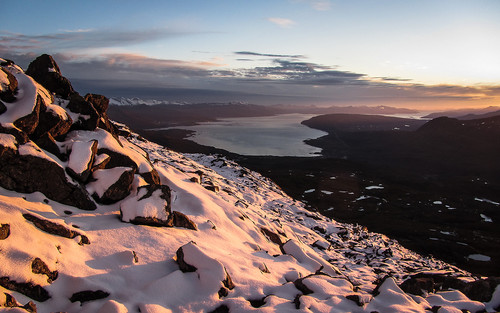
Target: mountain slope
{"points": [[142, 228]]}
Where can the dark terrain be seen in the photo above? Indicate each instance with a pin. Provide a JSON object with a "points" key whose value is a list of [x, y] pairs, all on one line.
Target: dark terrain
{"points": [[437, 182]]}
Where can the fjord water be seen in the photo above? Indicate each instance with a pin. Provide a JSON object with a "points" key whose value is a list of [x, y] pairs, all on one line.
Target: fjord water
{"points": [[279, 135]]}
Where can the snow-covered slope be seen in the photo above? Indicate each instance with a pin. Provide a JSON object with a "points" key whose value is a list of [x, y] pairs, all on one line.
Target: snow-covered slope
{"points": [[145, 229]]}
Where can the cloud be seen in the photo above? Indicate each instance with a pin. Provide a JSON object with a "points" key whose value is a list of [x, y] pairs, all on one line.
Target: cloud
{"points": [[281, 22], [318, 5], [292, 56], [84, 38]]}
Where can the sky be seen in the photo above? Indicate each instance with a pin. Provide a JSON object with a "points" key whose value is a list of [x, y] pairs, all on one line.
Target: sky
{"points": [[419, 54]]}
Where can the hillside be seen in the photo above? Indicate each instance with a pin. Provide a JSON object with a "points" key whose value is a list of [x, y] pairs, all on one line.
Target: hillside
{"points": [[94, 218]]}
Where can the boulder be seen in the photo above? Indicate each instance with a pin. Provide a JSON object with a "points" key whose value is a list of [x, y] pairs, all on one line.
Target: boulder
{"points": [[53, 120], [28, 173], [18, 134], [88, 117], [8, 92], [47, 73], [29, 122], [119, 190], [481, 290], [48, 143], [81, 160], [178, 219]]}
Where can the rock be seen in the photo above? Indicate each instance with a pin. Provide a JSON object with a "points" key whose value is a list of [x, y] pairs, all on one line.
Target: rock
{"points": [[152, 178], [117, 159], [81, 160], [88, 119], [220, 309], [29, 173], [20, 136], [299, 284], [53, 120], [272, 236], [423, 283], [118, 190], [29, 122], [100, 104], [481, 290], [54, 228], [100, 162], [47, 73], [151, 209], [8, 93], [179, 219], [257, 303], [359, 299], [48, 143], [11, 302], [4, 231], [211, 186], [183, 266], [88, 295], [39, 267], [3, 108], [35, 292]]}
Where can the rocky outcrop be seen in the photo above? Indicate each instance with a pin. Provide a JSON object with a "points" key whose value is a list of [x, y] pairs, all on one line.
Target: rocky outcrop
{"points": [[47, 73]]}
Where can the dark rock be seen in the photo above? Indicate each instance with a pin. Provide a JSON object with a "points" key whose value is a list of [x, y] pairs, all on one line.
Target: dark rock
{"points": [[99, 102], [179, 219], [320, 229], [211, 186], [3, 108], [296, 301], [9, 95], [88, 119], [29, 122], [30, 307], [152, 178], [90, 150], [4, 231], [104, 160], [273, 237], [39, 267], [195, 179], [88, 295], [481, 290], [10, 301], [257, 303], [52, 123], [48, 143], [360, 300], [35, 292], [228, 282], [20, 136], [28, 173], [149, 221], [119, 190], [220, 309], [421, 283], [223, 292], [183, 266], [53, 228], [46, 72], [299, 284]]}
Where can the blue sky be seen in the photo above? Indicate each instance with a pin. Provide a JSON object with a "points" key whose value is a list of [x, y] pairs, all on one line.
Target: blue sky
{"points": [[367, 52]]}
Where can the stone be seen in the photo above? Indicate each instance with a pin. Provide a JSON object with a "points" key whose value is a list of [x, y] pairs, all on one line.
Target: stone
{"points": [[117, 159], [49, 121], [48, 143], [39, 267], [88, 119], [272, 236], [4, 231], [3, 108], [299, 284], [220, 309], [101, 104], [88, 295], [82, 151], [20, 136], [152, 177], [54, 228], [35, 292], [119, 190], [481, 290], [47, 73], [183, 266], [29, 173], [29, 122], [9, 93], [179, 219]]}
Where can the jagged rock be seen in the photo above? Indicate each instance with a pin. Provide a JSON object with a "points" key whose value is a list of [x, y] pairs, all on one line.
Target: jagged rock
{"points": [[53, 120], [47, 73], [28, 173], [39, 267], [29, 122], [35, 292], [119, 190], [88, 119], [296, 301], [273, 237], [195, 179], [8, 93], [54, 228], [81, 160], [88, 295], [178, 219], [48, 143], [100, 104], [4, 231]]}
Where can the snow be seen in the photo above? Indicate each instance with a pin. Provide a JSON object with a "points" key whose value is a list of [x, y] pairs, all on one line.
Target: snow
{"points": [[81, 156], [326, 192], [479, 257], [8, 141], [374, 187], [486, 218], [310, 190], [486, 200], [437, 202], [104, 179], [4, 81]]}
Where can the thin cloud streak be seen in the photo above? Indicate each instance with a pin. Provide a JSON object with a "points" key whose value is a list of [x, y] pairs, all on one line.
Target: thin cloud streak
{"points": [[292, 56], [281, 22]]}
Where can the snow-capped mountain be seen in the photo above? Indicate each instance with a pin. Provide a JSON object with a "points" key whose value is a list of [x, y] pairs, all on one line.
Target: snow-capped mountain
{"points": [[94, 218]]}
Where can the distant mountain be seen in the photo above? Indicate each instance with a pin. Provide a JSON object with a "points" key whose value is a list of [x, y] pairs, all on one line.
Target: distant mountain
{"points": [[94, 218], [467, 113]]}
